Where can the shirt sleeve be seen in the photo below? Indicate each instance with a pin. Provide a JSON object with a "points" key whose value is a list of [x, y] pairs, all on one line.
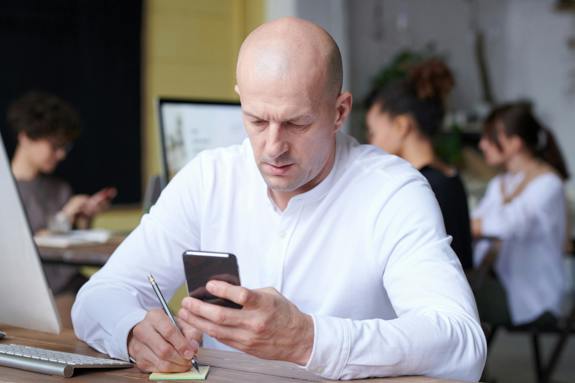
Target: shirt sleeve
{"points": [[532, 208], [436, 332], [65, 192], [118, 296]]}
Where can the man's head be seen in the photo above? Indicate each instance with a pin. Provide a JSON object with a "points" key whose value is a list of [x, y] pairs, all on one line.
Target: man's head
{"points": [[289, 77], [45, 127]]}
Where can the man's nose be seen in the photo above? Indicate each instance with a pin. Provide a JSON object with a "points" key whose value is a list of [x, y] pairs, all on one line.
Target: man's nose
{"points": [[276, 143]]}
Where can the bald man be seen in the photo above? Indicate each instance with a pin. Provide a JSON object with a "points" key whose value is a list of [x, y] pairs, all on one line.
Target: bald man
{"points": [[345, 266]]}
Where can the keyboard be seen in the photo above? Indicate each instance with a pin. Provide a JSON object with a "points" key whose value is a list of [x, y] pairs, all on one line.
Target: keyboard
{"points": [[52, 362]]}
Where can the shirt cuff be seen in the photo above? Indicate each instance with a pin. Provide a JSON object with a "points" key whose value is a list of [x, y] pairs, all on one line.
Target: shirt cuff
{"points": [[331, 346], [121, 331]]}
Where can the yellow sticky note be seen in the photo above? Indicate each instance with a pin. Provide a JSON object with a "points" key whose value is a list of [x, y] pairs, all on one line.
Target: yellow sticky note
{"points": [[190, 375]]}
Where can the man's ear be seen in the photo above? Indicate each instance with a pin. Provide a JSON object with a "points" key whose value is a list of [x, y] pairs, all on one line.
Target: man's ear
{"points": [[343, 109], [237, 89]]}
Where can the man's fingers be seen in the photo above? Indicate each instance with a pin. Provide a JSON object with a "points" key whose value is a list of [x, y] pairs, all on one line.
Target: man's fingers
{"points": [[150, 336], [173, 335], [165, 351], [236, 294], [214, 330], [214, 313], [148, 361], [191, 333]]}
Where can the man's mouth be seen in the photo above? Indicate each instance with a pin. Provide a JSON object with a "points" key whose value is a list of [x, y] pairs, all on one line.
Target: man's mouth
{"points": [[277, 169]]}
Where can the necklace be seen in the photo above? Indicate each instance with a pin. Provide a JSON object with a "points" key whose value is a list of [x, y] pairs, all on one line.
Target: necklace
{"points": [[531, 173]]}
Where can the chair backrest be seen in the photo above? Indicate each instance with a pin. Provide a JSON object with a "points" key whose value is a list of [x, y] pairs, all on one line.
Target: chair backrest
{"points": [[156, 184], [479, 274]]}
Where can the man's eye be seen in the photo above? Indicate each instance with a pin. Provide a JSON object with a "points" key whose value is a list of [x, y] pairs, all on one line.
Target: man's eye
{"points": [[296, 126], [259, 122]]}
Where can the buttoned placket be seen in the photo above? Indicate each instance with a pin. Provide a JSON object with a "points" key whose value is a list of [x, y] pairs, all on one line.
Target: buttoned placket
{"points": [[283, 234]]}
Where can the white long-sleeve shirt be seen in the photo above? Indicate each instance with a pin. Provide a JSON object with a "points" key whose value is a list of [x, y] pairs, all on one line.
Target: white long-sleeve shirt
{"points": [[364, 252], [532, 227]]}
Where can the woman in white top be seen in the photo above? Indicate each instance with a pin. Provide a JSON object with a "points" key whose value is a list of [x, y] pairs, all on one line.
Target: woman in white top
{"points": [[525, 209]]}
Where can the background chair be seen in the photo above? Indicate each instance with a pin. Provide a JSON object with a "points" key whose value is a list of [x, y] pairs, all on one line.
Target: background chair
{"points": [[562, 327]]}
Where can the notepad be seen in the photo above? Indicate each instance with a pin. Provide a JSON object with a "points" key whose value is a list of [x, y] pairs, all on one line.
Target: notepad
{"points": [[190, 375], [73, 238]]}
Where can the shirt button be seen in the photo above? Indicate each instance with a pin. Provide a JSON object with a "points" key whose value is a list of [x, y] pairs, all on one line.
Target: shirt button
{"points": [[282, 234]]}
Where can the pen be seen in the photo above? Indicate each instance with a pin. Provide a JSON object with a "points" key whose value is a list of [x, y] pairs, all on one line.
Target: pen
{"points": [[168, 312]]}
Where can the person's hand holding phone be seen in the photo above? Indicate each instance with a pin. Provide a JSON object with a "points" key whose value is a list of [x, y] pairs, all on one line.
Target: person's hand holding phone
{"points": [[99, 201], [268, 325], [86, 207], [157, 345]]}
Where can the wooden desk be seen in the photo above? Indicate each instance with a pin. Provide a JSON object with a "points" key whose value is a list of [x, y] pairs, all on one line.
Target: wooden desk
{"points": [[226, 367], [82, 255]]}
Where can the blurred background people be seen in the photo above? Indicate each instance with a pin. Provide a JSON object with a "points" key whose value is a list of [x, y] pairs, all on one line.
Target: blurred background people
{"points": [[46, 127], [525, 209], [403, 118]]}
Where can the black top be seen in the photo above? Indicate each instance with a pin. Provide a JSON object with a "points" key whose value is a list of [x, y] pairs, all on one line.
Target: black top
{"points": [[452, 199]]}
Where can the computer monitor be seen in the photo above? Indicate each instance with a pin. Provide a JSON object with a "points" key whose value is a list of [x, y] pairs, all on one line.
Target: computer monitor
{"points": [[189, 126], [25, 298]]}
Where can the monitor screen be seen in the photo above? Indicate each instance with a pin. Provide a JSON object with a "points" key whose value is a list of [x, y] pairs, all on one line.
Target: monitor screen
{"points": [[25, 299], [189, 126]]}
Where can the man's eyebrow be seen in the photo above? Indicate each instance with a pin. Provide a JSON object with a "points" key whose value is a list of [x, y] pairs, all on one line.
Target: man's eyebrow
{"points": [[252, 115], [294, 118]]}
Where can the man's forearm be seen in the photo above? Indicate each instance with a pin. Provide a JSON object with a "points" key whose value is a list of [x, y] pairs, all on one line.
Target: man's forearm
{"points": [[431, 343]]}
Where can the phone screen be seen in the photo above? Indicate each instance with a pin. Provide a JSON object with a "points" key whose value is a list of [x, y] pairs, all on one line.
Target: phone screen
{"points": [[203, 266]]}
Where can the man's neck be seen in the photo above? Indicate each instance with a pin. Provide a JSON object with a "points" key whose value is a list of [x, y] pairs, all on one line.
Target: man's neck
{"points": [[22, 168]]}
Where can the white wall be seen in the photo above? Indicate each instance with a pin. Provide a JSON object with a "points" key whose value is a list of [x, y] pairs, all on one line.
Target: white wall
{"points": [[539, 65], [526, 45], [381, 28]]}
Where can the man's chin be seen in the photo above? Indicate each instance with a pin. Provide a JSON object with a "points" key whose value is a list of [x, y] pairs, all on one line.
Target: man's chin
{"points": [[279, 184]]}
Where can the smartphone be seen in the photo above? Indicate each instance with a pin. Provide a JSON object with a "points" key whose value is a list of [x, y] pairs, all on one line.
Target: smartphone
{"points": [[204, 266]]}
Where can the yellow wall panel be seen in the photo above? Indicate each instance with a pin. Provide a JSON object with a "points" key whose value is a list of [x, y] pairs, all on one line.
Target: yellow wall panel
{"points": [[189, 51]]}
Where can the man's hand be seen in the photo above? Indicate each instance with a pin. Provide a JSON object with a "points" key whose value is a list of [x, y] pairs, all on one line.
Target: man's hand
{"points": [[158, 346], [268, 326]]}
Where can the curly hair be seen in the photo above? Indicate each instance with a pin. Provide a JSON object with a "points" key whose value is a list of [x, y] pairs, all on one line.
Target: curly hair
{"points": [[421, 95], [41, 115]]}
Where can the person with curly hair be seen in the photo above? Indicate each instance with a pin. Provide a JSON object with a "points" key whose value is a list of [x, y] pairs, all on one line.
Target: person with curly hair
{"points": [[45, 127], [403, 118]]}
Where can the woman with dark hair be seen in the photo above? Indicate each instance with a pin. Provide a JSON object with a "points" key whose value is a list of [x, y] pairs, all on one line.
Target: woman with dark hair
{"points": [[525, 208], [402, 119]]}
